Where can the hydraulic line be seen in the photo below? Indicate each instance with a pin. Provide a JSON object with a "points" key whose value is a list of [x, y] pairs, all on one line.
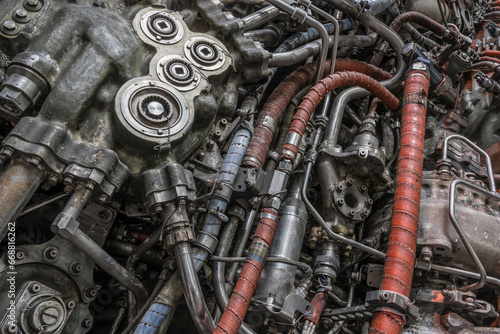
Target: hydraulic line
{"points": [[238, 304], [292, 57], [303, 15], [402, 243], [280, 98], [164, 304], [424, 21]]}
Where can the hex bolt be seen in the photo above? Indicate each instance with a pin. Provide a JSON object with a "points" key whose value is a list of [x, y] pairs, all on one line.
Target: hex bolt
{"points": [[49, 316], [9, 25], [34, 288], [103, 199], [20, 255], [351, 213], [52, 254], [362, 188], [77, 268], [91, 292], [340, 201], [365, 213], [340, 187], [349, 182], [384, 296], [86, 323], [32, 3], [369, 201], [70, 304], [21, 13]]}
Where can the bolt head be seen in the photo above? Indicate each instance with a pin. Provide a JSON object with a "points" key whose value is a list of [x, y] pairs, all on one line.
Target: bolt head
{"points": [[21, 13], [86, 323], [34, 288], [9, 25], [50, 316], [32, 3]]}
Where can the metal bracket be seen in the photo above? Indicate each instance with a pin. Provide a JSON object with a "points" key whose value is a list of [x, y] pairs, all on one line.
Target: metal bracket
{"points": [[392, 300]]}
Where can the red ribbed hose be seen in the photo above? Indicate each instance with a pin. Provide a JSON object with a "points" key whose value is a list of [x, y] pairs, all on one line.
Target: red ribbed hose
{"points": [[242, 294], [281, 97], [402, 244], [319, 91], [491, 53]]}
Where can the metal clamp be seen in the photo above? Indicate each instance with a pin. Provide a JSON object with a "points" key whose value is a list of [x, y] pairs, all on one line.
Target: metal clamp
{"points": [[394, 301]]}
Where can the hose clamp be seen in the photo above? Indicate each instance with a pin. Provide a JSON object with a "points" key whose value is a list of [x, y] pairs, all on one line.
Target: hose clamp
{"points": [[384, 300], [267, 215], [206, 241], [269, 123], [293, 138]]}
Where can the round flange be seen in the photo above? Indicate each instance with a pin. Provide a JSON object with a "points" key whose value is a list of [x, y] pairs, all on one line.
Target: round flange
{"points": [[152, 110], [162, 27], [178, 72], [205, 53], [47, 314], [352, 200]]}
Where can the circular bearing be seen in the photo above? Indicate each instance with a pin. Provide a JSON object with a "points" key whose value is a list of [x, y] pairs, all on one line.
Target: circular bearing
{"points": [[162, 27], [178, 72], [153, 111], [205, 53]]}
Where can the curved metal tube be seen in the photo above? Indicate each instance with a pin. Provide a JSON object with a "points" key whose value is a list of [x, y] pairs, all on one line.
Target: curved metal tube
{"points": [[192, 291], [301, 53], [383, 31], [259, 18], [461, 233], [303, 15]]}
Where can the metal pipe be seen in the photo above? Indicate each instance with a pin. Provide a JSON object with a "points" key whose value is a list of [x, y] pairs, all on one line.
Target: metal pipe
{"points": [[303, 15], [41, 204], [460, 231], [259, 18], [310, 49], [456, 271], [267, 37], [240, 244], [383, 31], [18, 183], [192, 290], [66, 226]]}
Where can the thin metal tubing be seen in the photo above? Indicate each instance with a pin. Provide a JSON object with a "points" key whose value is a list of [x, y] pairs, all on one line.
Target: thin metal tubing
{"points": [[330, 18], [456, 271], [489, 168], [313, 23], [41, 204], [463, 236]]}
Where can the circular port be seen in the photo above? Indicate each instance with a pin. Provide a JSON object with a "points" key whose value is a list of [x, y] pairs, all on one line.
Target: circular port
{"points": [[178, 72], [205, 53], [162, 27], [152, 110]]}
